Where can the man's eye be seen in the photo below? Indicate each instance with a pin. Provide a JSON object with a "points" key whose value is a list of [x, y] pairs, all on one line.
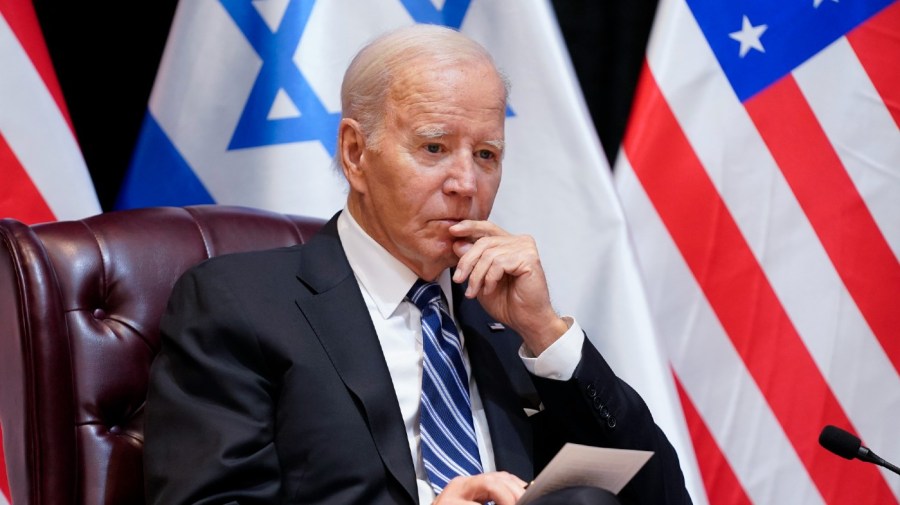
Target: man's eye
{"points": [[433, 148], [486, 155]]}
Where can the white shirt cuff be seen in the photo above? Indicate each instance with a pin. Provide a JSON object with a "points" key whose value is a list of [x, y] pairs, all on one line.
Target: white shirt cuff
{"points": [[560, 359]]}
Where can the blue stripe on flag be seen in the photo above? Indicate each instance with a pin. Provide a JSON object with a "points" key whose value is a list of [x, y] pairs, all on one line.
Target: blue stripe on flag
{"points": [[159, 175], [793, 32]]}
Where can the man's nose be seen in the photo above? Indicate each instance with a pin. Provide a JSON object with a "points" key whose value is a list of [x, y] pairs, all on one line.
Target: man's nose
{"points": [[461, 178]]}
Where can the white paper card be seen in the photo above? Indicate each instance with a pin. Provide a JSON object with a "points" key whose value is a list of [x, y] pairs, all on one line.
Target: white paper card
{"points": [[582, 465]]}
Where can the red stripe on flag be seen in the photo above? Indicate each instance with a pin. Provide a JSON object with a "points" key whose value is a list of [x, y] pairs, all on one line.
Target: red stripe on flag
{"points": [[23, 21], [4, 480], [19, 198], [722, 485], [877, 45], [837, 212], [740, 294]]}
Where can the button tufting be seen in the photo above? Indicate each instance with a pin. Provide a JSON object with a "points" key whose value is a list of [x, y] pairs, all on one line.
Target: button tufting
{"points": [[99, 313], [115, 430]]}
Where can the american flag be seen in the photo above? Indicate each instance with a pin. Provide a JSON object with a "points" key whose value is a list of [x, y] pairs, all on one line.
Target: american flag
{"points": [[43, 176], [760, 176]]}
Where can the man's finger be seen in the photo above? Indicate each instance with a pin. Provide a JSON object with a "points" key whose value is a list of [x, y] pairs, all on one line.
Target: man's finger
{"points": [[474, 230], [479, 269], [467, 261], [461, 247], [500, 487]]}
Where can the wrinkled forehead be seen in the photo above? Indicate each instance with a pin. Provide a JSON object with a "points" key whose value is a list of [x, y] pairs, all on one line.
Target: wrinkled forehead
{"points": [[471, 81]]}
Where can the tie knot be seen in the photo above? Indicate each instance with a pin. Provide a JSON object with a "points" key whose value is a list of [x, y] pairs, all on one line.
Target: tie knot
{"points": [[424, 293]]}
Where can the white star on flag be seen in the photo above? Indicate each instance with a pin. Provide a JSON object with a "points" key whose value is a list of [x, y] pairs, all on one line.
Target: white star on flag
{"points": [[817, 3], [749, 36]]}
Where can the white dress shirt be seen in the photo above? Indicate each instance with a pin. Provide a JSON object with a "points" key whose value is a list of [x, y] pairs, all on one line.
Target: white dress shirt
{"points": [[384, 282]]}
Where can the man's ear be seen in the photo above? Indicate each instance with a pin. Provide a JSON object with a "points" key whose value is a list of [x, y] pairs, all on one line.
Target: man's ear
{"points": [[352, 144]]}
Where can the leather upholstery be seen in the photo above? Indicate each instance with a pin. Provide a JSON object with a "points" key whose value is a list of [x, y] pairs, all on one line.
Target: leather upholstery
{"points": [[80, 303]]}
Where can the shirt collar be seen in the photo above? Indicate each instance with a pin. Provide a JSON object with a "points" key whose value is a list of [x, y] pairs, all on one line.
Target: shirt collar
{"points": [[384, 277]]}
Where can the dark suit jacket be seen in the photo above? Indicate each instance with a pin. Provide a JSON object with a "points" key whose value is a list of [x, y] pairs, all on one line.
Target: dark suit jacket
{"points": [[271, 387]]}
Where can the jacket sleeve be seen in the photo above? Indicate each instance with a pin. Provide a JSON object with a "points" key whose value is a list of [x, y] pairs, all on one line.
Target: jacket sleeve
{"points": [[208, 425], [597, 408]]}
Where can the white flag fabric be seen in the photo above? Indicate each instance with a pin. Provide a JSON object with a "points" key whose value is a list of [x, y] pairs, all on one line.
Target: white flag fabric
{"points": [[760, 177], [43, 176], [245, 111]]}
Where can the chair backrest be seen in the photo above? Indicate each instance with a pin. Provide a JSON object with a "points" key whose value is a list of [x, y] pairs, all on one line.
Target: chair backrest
{"points": [[80, 303]]}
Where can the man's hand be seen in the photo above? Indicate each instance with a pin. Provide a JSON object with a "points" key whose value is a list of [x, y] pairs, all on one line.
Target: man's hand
{"points": [[500, 487], [505, 274]]}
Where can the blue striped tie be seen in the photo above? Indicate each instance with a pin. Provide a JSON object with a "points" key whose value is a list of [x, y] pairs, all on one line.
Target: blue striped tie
{"points": [[448, 434]]}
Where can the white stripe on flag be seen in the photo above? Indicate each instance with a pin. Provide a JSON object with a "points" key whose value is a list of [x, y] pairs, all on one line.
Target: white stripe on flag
{"points": [[869, 154]]}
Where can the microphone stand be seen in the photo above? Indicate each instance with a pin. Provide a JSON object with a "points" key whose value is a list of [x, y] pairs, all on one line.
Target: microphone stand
{"points": [[866, 454]]}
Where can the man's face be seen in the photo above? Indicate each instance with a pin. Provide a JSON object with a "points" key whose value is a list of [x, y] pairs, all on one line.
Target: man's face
{"points": [[437, 162]]}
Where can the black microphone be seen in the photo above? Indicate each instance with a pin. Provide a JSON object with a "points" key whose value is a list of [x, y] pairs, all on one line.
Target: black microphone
{"points": [[848, 446]]}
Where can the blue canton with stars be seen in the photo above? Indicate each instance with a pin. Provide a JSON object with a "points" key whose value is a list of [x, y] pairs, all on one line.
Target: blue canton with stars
{"points": [[279, 72], [779, 35]]}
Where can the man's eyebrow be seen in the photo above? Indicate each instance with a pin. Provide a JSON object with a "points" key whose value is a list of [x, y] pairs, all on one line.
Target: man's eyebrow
{"points": [[499, 144], [436, 132], [431, 132]]}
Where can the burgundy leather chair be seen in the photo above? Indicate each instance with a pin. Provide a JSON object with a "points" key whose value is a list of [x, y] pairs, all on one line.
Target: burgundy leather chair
{"points": [[80, 303]]}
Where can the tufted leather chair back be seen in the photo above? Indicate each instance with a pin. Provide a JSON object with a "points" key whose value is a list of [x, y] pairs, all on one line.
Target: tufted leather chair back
{"points": [[80, 303]]}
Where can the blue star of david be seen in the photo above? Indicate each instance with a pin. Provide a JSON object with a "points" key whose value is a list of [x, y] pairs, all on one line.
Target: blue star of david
{"points": [[279, 72]]}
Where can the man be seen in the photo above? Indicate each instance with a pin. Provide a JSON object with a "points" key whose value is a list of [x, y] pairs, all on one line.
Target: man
{"points": [[409, 352]]}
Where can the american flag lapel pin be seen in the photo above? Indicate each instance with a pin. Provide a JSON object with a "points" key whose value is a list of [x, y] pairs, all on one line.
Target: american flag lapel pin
{"points": [[496, 327]]}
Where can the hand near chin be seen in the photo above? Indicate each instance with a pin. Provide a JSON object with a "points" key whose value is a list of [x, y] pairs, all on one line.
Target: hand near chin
{"points": [[500, 487], [505, 274]]}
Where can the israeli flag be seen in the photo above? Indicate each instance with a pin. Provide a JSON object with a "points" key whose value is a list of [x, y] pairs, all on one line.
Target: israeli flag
{"points": [[245, 109]]}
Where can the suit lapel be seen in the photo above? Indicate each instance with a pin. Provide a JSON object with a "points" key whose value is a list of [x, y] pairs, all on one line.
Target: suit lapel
{"points": [[511, 434], [338, 315]]}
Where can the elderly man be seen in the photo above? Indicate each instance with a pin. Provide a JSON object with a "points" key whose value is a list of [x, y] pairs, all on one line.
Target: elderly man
{"points": [[409, 352]]}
